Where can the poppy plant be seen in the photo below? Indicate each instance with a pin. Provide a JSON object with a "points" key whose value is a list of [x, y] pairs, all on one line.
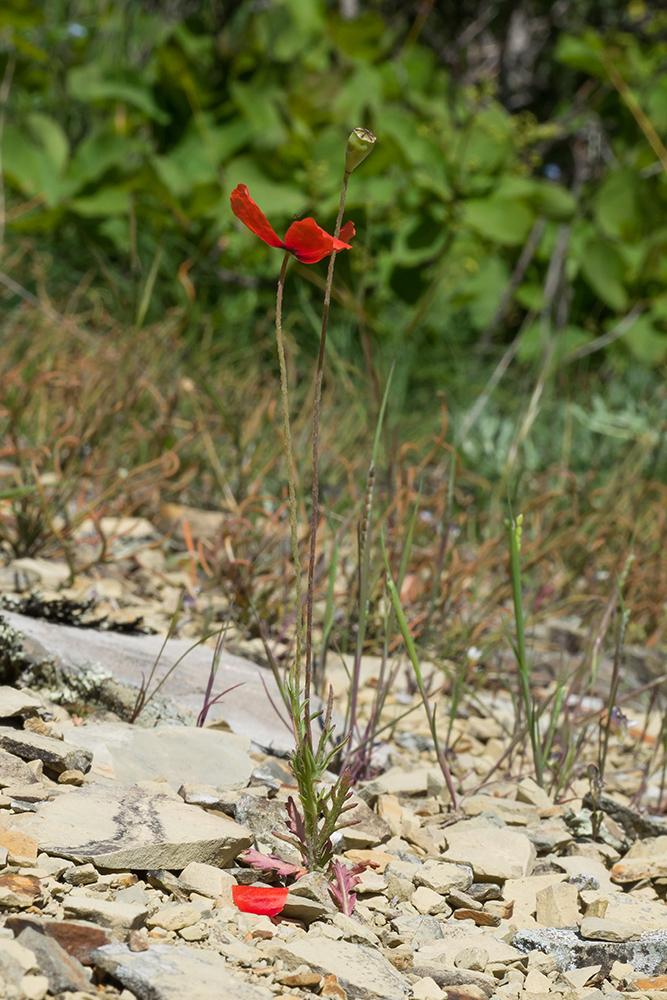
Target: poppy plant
{"points": [[304, 238], [265, 900]]}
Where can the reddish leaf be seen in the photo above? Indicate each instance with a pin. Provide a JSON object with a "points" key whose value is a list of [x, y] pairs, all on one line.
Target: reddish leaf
{"points": [[270, 863], [265, 900]]}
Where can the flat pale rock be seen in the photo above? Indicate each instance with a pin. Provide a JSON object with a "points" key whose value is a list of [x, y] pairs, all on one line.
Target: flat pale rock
{"points": [[108, 667], [362, 972], [119, 918], [493, 854], [55, 753], [603, 929], [128, 754], [636, 908], [640, 868], [125, 829], [167, 972], [512, 811], [14, 702]]}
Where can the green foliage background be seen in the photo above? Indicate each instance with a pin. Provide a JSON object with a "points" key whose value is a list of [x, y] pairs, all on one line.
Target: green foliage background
{"points": [[127, 125]]}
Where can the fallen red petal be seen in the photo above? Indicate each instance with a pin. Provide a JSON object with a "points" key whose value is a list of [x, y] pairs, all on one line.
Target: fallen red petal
{"points": [[264, 900]]}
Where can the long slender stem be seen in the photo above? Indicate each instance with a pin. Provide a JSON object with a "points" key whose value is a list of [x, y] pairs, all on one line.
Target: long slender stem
{"points": [[289, 456], [316, 478]]}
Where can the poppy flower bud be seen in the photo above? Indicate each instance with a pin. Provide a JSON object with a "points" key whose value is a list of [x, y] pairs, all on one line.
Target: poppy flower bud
{"points": [[359, 146]]}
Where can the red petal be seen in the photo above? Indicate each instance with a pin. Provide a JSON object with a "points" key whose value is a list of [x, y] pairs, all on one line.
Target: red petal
{"points": [[245, 209], [310, 243], [265, 900], [346, 233]]}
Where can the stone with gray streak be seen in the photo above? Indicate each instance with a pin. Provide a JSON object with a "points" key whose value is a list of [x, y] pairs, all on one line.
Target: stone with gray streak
{"points": [[127, 829]]}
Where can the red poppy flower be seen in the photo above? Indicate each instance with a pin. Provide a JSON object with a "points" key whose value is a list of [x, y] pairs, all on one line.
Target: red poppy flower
{"points": [[305, 239], [266, 900]]}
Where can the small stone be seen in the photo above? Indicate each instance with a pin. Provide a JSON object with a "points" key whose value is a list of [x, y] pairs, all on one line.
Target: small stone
{"points": [[81, 875], [332, 988], [303, 980], [577, 978], [195, 932], [174, 916], [483, 891], [71, 777], [536, 982], [120, 918], [475, 959], [14, 771], [621, 972], [558, 905], [601, 929], [309, 899], [19, 845], [443, 876], [427, 989], [425, 900], [458, 899], [527, 790], [480, 918], [34, 987], [207, 880], [19, 891]]}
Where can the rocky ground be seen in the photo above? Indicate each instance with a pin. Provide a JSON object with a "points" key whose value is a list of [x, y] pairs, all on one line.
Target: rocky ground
{"points": [[120, 846]]}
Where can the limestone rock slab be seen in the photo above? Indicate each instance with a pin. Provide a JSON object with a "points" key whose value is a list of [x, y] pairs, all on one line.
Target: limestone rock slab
{"points": [[493, 854], [14, 702], [362, 972], [164, 972], [71, 663], [126, 829], [127, 754], [54, 753]]}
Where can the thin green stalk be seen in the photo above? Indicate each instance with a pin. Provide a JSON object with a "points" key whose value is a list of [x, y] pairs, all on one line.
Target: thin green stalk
{"points": [[291, 481], [316, 457], [514, 537]]}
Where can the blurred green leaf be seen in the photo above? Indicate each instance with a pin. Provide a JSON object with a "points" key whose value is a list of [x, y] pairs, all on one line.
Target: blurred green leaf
{"points": [[617, 205], [603, 269], [87, 83], [506, 222]]}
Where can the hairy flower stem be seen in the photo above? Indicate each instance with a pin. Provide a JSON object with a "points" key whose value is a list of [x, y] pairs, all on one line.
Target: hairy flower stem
{"points": [[316, 456], [291, 482]]}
